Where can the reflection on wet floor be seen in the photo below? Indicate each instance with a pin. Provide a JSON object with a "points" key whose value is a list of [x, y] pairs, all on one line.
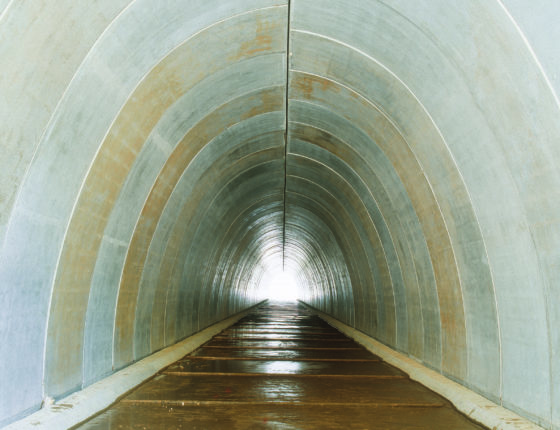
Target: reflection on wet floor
{"points": [[291, 367], [281, 367]]}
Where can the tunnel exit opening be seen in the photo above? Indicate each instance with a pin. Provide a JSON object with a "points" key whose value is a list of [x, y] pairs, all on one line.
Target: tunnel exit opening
{"points": [[280, 285]]}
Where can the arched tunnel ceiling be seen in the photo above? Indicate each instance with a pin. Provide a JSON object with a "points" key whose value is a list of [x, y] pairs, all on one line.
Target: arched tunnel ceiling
{"points": [[400, 157]]}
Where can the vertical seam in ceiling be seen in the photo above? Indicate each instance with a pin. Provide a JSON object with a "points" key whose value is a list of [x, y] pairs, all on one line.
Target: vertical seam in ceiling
{"points": [[286, 135]]}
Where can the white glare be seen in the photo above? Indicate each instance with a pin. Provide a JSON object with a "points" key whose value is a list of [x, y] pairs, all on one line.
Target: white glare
{"points": [[279, 286]]}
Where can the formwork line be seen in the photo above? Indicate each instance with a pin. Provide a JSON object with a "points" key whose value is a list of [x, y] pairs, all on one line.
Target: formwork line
{"points": [[279, 348], [336, 360], [283, 375], [276, 403], [288, 30]]}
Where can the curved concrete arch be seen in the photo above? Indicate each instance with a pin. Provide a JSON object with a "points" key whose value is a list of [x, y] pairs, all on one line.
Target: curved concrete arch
{"points": [[328, 93], [400, 158], [333, 263], [353, 215], [233, 154], [468, 94], [383, 248], [386, 218], [174, 312], [254, 103], [76, 253], [206, 212], [321, 205], [240, 186]]}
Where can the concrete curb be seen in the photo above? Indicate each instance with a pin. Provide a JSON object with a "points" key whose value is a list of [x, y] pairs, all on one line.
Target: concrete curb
{"points": [[475, 406], [88, 402]]}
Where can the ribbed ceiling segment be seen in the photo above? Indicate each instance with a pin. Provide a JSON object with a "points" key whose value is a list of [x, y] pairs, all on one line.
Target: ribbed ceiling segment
{"points": [[159, 159]]}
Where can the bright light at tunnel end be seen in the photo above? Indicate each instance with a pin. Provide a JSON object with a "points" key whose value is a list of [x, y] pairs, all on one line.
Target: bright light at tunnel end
{"points": [[279, 286]]}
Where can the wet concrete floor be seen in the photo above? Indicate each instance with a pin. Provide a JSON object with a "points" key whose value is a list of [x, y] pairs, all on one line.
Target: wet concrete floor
{"points": [[281, 367]]}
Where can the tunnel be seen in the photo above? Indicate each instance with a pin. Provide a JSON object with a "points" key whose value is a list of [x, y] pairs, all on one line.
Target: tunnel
{"points": [[162, 161]]}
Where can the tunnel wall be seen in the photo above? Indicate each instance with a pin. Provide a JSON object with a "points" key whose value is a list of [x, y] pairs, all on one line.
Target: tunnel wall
{"points": [[132, 131], [435, 125], [148, 182]]}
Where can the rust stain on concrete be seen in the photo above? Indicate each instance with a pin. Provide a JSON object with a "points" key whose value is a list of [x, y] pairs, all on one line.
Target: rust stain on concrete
{"points": [[266, 39], [307, 85]]}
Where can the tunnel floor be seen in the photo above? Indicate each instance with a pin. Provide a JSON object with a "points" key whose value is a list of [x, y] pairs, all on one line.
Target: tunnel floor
{"points": [[281, 367]]}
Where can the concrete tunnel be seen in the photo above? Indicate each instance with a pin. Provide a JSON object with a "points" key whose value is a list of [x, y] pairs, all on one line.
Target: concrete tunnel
{"points": [[400, 158]]}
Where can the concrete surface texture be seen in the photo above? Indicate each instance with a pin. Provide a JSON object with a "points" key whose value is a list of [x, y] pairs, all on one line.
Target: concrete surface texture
{"points": [[147, 186]]}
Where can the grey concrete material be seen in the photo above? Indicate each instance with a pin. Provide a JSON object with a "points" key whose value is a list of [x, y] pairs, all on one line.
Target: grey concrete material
{"points": [[171, 128], [230, 297], [30, 299], [520, 175], [4, 5], [240, 164], [470, 403], [239, 189], [496, 193], [193, 225], [227, 149], [377, 293], [86, 403], [262, 217], [425, 277], [305, 255], [117, 278], [248, 104], [317, 287], [304, 252], [226, 142], [450, 363], [93, 75], [171, 311], [531, 20], [253, 229], [243, 266], [39, 40], [378, 219], [384, 242], [210, 216], [328, 264], [340, 224], [352, 247], [98, 330], [199, 95], [244, 283], [320, 247], [460, 83], [98, 327], [181, 117], [459, 217], [304, 213], [452, 193], [393, 203]]}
